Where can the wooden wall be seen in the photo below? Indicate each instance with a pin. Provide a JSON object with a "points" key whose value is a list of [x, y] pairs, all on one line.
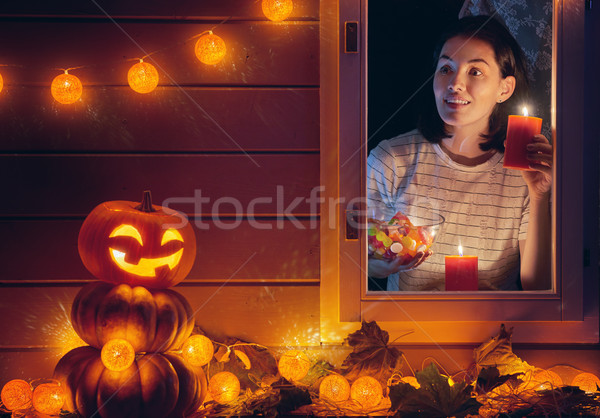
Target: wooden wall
{"points": [[246, 128], [243, 129]]}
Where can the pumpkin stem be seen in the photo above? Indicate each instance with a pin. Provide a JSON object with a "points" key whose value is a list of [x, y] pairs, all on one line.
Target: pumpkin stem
{"points": [[146, 205]]}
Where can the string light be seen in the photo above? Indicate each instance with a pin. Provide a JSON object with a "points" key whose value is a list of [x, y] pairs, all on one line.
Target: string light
{"points": [[117, 355], [198, 350], [210, 48], [224, 387], [277, 10], [294, 365], [366, 391], [142, 77], [66, 88], [334, 388], [16, 394], [48, 398]]}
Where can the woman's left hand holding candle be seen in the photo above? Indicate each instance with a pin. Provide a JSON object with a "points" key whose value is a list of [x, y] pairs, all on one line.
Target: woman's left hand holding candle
{"points": [[539, 181]]}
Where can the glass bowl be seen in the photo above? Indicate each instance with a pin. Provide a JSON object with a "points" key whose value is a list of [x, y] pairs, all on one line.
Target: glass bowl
{"points": [[403, 235]]}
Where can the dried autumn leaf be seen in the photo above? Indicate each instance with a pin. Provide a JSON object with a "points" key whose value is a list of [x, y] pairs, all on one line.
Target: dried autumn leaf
{"points": [[244, 358], [434, 398], [497, 352], [262, 360], [371, 355], [222, 354]]}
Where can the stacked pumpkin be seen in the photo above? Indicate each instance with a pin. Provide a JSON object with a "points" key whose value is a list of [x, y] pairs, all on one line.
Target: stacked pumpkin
{"points": [[131, 321]]}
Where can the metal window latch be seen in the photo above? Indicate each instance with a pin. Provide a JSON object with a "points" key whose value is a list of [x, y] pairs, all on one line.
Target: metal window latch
{"points": [[352, 221], [351, 38]]}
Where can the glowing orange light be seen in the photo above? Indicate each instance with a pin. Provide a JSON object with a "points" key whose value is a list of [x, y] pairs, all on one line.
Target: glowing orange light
{"points": [[294, 365], [117, 355], [198, 350], [366, 391], [277, 10], [1, 82], [16, 394], [66, 88], [210, 48], [334, 388], [48, 398], [142, 77], [224, 387], [587, 382]]}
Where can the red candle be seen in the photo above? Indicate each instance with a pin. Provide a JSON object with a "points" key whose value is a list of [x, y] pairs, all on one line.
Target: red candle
{"points": [[520, 132], [461, 271]]}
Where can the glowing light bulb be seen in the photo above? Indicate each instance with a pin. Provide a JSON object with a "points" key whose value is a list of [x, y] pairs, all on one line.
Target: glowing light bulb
{"points": [[16, 394], [366, 391], [210, 49], [198, 350], [294, 365], [142, 77], [277, 10], [587, 382], [224, 387], [334, 388], [66, 88], [117, 355], [48, 398]]}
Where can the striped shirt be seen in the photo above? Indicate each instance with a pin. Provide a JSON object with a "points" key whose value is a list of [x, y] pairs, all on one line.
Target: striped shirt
{"points": [[486, 209]]}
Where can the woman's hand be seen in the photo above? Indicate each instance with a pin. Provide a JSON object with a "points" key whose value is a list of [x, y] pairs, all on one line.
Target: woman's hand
{"points": [[539, 154], [383, 268]]}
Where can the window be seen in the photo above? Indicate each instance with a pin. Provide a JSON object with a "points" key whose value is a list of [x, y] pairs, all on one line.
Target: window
{"points": [[564, 314]]}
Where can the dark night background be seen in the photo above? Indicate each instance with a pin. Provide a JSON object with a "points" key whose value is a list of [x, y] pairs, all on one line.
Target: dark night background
{"points": [[402, 34]]}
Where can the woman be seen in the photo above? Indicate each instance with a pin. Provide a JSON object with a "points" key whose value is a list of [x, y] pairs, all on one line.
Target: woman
{"points": [[453, 164]]}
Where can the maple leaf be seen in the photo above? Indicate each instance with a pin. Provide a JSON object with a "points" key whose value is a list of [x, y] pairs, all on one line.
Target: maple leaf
{"points": [[497, 352], [434, 398], [249, 362], [371, 354]]}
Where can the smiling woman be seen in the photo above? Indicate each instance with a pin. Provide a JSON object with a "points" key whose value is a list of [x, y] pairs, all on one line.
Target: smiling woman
{"points": [[559, 314], [453, 164]]}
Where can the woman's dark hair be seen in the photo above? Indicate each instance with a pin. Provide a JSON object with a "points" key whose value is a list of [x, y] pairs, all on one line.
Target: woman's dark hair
{"points": [[511, 61]]}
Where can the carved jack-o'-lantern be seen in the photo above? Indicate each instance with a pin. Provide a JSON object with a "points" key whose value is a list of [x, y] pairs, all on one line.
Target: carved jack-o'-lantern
{"points": [[137, 244]]}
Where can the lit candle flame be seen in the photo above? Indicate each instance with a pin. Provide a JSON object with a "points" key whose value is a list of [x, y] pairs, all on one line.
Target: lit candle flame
{"points": [[525, 113], [460, 252]]}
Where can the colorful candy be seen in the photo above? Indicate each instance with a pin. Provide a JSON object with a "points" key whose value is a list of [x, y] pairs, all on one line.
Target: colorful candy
{"points": [[397, 238]]}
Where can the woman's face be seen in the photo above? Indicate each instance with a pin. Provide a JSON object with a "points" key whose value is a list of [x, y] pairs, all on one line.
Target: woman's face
{"points": [[468, 84]]}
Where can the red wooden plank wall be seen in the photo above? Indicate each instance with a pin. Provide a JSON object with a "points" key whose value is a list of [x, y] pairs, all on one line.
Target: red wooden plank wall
{"points": [[245, 130]]}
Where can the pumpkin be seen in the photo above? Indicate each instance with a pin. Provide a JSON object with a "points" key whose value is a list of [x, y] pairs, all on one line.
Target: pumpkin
{"points": [[151, 320], [137, 244], [155, 385]]}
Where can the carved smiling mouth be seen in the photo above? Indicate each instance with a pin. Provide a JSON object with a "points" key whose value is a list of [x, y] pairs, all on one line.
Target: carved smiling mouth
{"points": [[146, 267]]}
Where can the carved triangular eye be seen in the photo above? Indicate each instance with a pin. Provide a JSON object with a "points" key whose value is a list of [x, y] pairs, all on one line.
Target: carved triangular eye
{"points": [[127, 231], [171, 235]]}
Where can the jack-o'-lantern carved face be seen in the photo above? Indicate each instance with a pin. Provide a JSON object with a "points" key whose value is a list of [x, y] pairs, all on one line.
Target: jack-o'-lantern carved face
{"points": [[123, 242]]}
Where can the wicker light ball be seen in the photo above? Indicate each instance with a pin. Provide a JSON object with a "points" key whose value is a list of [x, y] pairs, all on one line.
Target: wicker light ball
{"points": [[48, 398], [210, 49], [294, 365], [16, 394], [142, 77], [224, 387], [198, 350], [277, 10], [66, 88], [117, 355], [366, 391], [334, 388]]}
